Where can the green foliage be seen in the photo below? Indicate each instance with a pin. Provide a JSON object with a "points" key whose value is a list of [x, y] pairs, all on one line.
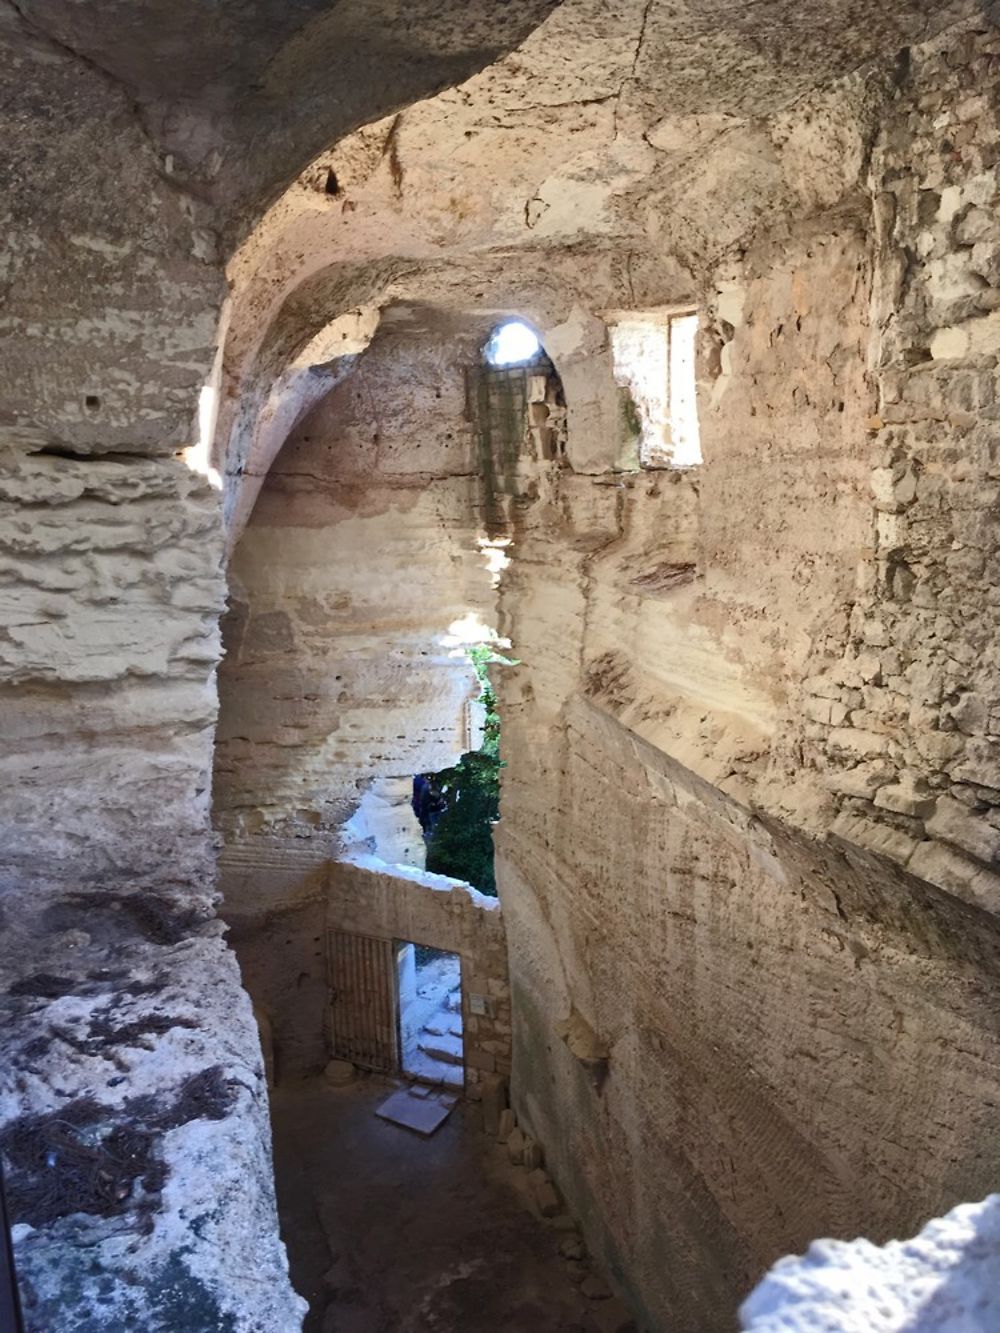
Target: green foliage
{"points": [[481, 655], [630, 414], [462, 842]]}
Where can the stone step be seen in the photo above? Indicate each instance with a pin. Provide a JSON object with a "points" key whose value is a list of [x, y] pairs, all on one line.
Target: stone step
{"points": [[447, 1049]]}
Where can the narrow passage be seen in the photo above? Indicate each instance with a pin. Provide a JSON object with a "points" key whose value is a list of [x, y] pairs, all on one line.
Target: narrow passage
{"points": [[388, 1232]]}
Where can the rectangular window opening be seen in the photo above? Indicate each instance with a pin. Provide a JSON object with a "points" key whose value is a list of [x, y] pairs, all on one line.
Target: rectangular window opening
{"points": [[654, 361]]}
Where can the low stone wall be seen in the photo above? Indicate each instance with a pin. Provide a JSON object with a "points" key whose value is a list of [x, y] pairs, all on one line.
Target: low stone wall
{"points": [[369, 897]]}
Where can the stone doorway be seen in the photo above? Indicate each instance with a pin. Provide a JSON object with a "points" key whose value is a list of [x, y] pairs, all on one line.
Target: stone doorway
{"points": [[429, 991]]}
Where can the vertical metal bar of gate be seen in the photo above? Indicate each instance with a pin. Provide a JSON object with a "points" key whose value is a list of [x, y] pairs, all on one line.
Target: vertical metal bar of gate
{"points": [[362, 982]]}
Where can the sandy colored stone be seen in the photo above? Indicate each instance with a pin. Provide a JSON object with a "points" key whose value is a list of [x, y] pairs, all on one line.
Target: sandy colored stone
{"points": [[691, 855], [338, 1073]]}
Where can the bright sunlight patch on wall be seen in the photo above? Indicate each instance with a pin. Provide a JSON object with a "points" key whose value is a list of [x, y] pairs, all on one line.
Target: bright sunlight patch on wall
{"points": [[654, 359], [197, 456]]}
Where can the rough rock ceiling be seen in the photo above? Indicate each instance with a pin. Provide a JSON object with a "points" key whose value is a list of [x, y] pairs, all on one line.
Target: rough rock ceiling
{"points": [[244, 92], [140, 142], [663, 132]]}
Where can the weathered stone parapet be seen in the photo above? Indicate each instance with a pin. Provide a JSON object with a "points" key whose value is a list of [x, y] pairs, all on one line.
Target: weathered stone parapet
{"points": [[944, 1280], [133, 1118]]}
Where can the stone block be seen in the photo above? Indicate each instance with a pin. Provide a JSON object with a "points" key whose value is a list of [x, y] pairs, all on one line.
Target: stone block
{"points": [[863, 780], [481, 1060], [970, 714], [938, 747], [823, 686], [854, 741], [941, 865], [883, 489], [508, 1123], [909, 796], [544, 1193], [494, 1101], [339, 1072], [515, 1146], [532, 1155], [817, 709], [876, 836], [956, 824], [980, 764]]}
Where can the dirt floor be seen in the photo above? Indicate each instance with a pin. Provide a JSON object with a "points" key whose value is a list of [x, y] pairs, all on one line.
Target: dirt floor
{"points": [[388, 1232]]}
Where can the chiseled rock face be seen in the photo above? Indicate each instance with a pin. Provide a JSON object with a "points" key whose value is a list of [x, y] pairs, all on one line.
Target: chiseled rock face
{"points": [[111, 596], [128, 1042], [906, 721], [945, 1280], [717, 855], [766, 993], [344, 676], [719, 669], [350, 590]]}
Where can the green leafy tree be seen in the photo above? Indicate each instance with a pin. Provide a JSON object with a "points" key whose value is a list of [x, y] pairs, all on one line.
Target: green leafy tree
{"points": [[461, 844]]}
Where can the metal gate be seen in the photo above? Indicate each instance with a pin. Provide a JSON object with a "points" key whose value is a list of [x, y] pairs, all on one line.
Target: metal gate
{"points": [[362, 977]]}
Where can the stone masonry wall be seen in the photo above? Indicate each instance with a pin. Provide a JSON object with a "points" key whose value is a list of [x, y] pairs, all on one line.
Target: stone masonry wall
{"points": [[912, 748], [364, 896]]}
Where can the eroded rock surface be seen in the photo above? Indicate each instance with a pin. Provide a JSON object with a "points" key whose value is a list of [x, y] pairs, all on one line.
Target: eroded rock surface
{"points": [[748, 854]]}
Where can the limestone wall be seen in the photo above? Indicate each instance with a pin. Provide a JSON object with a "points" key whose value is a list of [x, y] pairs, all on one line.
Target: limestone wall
{"points": [[133, 1114], [361, 558], [273, 906], [681, 858], [802, 628], [352, 588], [767, 1004]]}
